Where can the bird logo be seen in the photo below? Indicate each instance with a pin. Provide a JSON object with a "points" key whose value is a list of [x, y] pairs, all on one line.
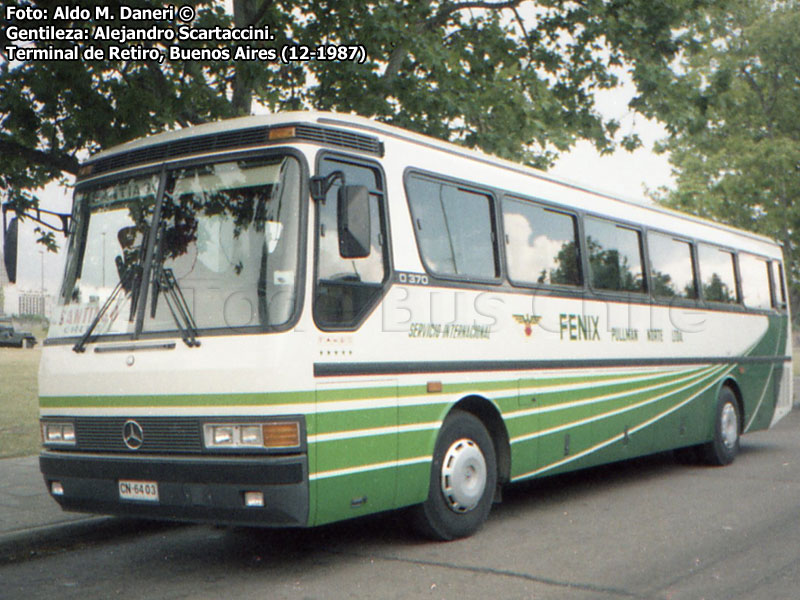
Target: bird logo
{"points": [[528, 321]]}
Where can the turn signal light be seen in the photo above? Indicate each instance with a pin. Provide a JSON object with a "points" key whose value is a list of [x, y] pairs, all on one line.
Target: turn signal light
{"points": [[281, 434]]}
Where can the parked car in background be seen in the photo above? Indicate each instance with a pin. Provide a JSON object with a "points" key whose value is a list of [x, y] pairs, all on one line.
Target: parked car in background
{"points": [[9, 337]]}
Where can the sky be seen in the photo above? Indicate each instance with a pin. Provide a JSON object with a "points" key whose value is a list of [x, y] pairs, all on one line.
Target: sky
{"points": [[624, 174]]}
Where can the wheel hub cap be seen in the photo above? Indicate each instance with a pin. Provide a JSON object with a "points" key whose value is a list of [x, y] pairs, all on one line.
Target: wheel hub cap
{"points": [[463, 475], [730, 426]]}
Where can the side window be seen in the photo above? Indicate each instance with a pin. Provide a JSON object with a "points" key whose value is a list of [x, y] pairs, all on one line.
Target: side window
{"points": [[542, 244], [454, 228], [615, 256], [776, 276], [755, 281], [671, 267], [718, 276], [347, 288]]}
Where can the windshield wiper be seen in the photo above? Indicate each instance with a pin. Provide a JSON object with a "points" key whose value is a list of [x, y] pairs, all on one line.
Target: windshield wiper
{"points": [[164, 281], [125, 283]]}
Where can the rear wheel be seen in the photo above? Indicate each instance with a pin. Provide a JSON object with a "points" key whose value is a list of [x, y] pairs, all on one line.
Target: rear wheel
{"points": [[463, 480], [722, 450]]}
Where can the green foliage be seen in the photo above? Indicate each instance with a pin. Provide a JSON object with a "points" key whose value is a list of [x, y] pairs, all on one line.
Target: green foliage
{"points": [[473, 72], [663, 286], [610, 271], [717, 291], [568, 271], [514, 78], [731, 110]]}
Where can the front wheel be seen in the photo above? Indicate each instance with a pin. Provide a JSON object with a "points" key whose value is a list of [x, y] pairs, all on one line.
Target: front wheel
{"points": [[463, 480], [725, 445]]}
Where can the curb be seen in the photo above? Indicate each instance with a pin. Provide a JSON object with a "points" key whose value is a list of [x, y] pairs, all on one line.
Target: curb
{"points": [[24, 543], [32, 542]]}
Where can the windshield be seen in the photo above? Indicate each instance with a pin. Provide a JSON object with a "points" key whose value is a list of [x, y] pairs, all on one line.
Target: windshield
{"points": [[109, 228], [227, 241]]}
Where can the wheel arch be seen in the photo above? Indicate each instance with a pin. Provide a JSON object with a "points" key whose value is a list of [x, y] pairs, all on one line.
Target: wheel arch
{"points": [[487, 413], [733, 385]]}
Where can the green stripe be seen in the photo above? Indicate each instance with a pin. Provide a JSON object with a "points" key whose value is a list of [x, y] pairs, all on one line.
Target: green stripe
{"points": [[718, 375], [310, 396], [183, 400]]}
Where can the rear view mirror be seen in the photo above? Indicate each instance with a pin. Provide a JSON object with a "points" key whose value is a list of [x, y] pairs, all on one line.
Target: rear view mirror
{"points": [[10, 249], [11, 232], [354, 221]]}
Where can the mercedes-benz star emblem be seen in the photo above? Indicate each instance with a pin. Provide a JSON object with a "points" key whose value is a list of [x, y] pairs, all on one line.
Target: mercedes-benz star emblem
{"points": [[132, 435]]}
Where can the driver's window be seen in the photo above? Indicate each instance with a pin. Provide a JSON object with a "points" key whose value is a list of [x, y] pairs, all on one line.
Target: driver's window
{"points": [[347, 288]]}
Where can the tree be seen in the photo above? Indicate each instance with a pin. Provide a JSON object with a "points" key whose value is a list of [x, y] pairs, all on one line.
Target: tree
{"points": [[512, 77], [731, 111], [610, 270], [568, 269], [717, 291]]}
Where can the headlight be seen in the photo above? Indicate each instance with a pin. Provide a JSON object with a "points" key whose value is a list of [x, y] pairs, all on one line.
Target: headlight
{"points": [[272, 435], [222, 435], [58, 433]]}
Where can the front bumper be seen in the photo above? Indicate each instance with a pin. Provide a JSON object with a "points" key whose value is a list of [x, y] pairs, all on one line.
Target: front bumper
{"points": [[206, 489]]}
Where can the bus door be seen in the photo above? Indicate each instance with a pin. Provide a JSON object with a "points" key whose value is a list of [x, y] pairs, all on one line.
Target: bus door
{"points": [[355, 466], [355, 471]]}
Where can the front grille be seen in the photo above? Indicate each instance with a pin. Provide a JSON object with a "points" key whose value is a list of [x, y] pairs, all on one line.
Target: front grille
{"points": [[230, 140], [164, 435]]}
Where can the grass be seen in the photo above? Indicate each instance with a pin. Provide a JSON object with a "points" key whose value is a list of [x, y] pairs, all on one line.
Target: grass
{"points": [[19, 409]]}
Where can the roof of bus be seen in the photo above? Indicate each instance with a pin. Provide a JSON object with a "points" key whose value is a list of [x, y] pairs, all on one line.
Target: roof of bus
{"points": [[341, 120]]}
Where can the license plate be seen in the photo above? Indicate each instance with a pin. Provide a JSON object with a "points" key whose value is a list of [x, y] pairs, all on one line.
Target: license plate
{"points": [[138, 490]]}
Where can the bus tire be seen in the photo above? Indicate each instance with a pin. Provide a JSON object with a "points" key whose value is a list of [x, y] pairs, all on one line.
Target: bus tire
{"points": [[722, 450], [463, 480]]}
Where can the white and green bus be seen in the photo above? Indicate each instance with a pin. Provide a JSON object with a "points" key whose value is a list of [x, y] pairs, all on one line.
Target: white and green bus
{"points": [[295, 319]]}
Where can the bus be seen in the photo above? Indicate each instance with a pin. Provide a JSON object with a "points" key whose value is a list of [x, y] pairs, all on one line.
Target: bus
{"points": [[294, 319]]}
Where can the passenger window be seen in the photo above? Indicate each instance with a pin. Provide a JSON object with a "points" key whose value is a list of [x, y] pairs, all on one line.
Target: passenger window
{"points": [[754, 272], [347, 288], [615, 256], [776, 276], [671, 267], [717, 273], [541, 244], [454, 228]]}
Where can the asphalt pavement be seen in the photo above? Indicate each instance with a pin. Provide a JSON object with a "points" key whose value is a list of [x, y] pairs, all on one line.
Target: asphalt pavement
{"points": [[28, 515]]}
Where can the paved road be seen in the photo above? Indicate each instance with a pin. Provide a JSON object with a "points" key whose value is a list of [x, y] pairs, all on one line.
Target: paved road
{"points": [[650, 528]]}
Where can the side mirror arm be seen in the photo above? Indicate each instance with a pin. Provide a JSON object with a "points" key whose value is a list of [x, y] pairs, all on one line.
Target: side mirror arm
{"points": [[321, 184], [35, 214]]}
